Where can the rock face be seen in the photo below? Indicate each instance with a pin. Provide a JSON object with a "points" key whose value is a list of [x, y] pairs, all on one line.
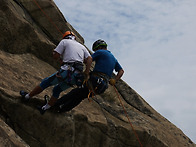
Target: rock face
{"points": [[9, 138], [30, 29]]}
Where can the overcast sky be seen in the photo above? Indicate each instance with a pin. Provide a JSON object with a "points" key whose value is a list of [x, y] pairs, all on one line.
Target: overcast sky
{"points": [[154, 41]]}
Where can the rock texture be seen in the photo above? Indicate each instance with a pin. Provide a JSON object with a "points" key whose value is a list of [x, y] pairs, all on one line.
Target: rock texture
{"points": [[28, 36], [8, 138]]}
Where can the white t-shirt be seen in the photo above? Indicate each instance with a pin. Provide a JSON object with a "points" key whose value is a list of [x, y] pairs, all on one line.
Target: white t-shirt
{"points": [[72, 51]]}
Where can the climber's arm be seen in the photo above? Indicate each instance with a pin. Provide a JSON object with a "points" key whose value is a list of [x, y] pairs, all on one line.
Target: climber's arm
{"points": [[56, 55], [119, 74]]}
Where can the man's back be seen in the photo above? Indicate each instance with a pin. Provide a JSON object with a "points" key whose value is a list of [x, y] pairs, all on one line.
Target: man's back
{"points": [[105, 62], [72, 51]]}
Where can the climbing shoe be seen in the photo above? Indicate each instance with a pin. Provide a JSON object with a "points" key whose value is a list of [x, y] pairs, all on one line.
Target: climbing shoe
{"points": [[41, 110], [23, 94]]}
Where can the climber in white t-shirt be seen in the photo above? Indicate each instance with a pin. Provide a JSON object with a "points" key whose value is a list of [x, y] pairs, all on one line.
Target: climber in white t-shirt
{"points": [[72, 55]]}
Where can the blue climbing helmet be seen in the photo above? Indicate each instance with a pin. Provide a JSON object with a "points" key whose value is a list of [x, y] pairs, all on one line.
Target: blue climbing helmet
{"points": [[99, 43]]}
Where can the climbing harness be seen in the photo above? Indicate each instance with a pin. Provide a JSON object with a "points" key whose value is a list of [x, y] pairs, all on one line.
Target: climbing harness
{"points": [[76, 65], [73, 67], [97, 83], [127, 117]]}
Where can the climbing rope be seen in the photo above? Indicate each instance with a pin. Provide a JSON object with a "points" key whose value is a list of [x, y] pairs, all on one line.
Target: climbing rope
{"points": [[128, 117], [49, 19]]}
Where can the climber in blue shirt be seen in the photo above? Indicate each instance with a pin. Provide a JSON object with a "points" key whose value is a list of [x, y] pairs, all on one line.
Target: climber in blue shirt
{"points": [[103, 56], [105, 63]]}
